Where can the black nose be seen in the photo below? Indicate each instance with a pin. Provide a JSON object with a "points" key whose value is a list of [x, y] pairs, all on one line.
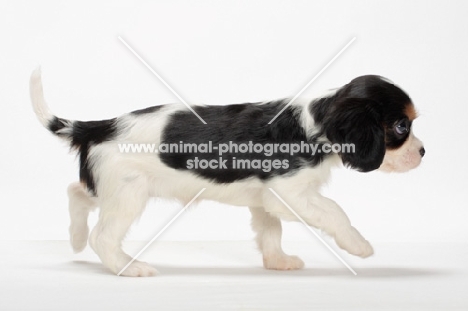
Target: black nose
{"points": [[422, 152]]}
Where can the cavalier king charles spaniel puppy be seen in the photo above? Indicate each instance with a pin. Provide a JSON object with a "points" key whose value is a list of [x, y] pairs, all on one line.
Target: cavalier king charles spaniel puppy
{"points": [[241, 152]]}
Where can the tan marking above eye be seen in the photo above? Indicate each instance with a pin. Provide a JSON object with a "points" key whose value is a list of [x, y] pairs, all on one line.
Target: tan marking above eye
{"points": [[411, 112]]}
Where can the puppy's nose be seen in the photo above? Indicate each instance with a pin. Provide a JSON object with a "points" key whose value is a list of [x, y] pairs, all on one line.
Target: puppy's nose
{"points": [[422, 152]]}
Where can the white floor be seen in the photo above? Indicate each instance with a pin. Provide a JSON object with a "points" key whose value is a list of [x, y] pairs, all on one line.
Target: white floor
{"points": [[45, 275]]}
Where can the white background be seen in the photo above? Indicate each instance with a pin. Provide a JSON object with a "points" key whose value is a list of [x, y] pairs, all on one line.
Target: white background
{"points": [[218, 53]]}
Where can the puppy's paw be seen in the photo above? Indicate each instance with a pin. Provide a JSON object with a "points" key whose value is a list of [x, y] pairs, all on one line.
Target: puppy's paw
{"points": [[138, 268], [78, 237], [354, 243], [363, 249], [282, 262]]}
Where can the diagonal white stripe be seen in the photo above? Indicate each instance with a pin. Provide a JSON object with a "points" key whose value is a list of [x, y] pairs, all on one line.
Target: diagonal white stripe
{"points": [[160, 79], [313, 79], [161, 231], [313, 231]]}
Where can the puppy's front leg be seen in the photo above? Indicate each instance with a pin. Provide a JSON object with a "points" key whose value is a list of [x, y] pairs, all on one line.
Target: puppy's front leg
{"points": [[322, 213], [268, 230], [327, 215]]}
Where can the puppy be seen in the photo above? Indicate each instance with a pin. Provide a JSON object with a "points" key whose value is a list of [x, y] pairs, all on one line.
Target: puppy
{"points": [[241, 152]]}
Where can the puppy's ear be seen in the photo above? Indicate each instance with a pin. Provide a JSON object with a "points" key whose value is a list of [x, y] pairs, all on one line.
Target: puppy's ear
{"points": [[358, 121]]}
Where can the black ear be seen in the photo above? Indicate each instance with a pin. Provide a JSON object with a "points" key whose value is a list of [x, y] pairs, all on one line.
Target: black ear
{"points": [[358, 121]]}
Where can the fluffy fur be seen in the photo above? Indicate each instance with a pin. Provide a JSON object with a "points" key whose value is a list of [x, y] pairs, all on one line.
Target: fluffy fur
{"points": [[370, 112]]}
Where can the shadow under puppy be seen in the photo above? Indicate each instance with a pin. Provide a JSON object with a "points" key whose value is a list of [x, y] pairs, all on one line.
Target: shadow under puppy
{"points": [[370, 113]]}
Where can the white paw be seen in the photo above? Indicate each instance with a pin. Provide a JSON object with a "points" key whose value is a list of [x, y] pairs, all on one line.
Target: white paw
{"points": [[363, 249], [354, 243], [79, 237], [138, 268], [282, 262]]}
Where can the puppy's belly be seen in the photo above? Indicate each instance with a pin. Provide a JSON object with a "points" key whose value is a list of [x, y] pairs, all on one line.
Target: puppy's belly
{"points": [[184, 186]]}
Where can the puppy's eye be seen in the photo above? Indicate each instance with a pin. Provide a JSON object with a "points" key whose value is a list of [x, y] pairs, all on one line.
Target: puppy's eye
{"points": [[402, 127]]}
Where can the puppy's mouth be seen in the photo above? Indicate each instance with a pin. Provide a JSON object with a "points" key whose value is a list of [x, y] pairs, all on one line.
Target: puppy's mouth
{"points": [[400, 162]]}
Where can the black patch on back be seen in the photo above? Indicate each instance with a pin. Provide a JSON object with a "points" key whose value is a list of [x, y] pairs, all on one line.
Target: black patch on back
{"points": [[84, 136], [239, 123], [147, 110]]}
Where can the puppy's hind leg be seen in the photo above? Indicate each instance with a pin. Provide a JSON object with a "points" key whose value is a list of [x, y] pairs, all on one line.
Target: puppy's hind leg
{"points": [[120, 205], [80, 204], [268, 229]]}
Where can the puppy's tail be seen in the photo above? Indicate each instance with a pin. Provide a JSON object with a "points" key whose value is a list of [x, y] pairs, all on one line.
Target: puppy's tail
{"points": [[60, 127]]}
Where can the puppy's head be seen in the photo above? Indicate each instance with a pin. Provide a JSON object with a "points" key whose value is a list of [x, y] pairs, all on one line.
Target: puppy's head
{"points": [[376, 117]]}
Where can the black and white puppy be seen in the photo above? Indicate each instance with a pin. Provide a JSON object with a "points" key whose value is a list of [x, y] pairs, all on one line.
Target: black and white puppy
{"points": [[370, 113]]}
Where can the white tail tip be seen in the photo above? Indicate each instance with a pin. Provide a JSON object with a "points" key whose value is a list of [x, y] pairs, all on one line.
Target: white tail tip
{"points": [[37, 98]]}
